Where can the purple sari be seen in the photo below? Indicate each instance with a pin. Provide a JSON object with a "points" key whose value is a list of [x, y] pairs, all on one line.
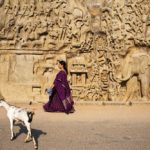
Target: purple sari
{"points": [[61, 99]]}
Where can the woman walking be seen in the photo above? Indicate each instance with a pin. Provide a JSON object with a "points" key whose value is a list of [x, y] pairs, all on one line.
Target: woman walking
{"points": [[60, 99]]}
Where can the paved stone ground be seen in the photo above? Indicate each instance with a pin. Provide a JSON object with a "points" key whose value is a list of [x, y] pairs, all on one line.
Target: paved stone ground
{"points": [[89, 128]]}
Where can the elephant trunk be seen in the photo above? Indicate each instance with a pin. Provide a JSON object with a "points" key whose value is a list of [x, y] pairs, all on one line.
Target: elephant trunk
{"points": [[126, 78], [124, 75], [121, 79]]}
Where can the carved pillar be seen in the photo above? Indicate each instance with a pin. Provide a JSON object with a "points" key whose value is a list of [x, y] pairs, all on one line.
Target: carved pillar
{"points": [[74, 80]]}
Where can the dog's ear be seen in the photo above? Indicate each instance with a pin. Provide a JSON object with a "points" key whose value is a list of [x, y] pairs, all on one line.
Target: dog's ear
{"points": [[33, 113]]}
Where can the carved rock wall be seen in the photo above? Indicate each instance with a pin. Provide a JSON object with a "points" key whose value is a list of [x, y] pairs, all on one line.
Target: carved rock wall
{"points": [[105, 42]]}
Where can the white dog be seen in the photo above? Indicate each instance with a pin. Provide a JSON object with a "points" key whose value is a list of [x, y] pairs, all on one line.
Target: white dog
{"points": [[19, 114]]}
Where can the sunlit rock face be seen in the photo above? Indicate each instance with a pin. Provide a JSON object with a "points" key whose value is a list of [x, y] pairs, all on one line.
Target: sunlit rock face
{"points": [[105, 43]]}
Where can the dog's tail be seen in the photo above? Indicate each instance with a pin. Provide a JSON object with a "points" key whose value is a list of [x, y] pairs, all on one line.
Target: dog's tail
{"points": [[30, 115], [2, 97]]}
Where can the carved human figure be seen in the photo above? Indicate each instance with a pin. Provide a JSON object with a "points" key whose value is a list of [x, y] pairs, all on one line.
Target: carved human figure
{"points": [[32, 8], [1, 2]]}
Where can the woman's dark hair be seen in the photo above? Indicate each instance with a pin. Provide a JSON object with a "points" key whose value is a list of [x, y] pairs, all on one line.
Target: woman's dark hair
{"points": [[64, 64]]}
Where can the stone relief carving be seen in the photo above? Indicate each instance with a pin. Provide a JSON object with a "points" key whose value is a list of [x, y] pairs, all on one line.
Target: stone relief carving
{"points": [[106, 44], [135, 68], [1, 2]]}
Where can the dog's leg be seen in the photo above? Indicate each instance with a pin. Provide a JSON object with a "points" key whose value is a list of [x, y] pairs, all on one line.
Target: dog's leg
{"points": [[11, 129], [29, 131], [30, 135], [34, 142]]}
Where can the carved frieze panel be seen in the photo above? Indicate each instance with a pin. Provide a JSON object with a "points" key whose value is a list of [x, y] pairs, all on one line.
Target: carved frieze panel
{"points": [[105, 42]]}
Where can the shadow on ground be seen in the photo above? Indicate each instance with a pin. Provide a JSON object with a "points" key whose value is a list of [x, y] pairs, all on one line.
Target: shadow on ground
{"points": [[35, 132]]}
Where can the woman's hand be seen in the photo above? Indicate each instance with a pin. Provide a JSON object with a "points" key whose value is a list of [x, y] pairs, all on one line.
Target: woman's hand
{"points": [[52, 86]]}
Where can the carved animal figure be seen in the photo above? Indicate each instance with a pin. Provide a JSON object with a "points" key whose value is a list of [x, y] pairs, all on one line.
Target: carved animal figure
{"points": [[137, 63]]}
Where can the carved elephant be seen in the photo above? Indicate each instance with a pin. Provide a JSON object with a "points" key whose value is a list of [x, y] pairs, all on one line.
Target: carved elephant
{"points": [[136, 64]]}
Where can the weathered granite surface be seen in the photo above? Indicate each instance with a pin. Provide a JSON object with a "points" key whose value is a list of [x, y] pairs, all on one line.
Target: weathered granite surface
{"points": [[105, 42]]}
